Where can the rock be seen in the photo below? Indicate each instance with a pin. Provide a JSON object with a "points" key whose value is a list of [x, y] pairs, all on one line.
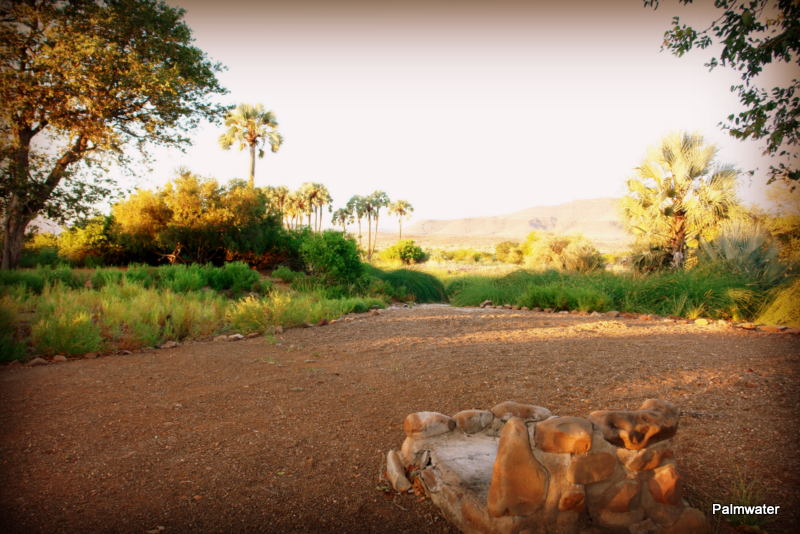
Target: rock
{"points": [[613, 313], [168, 345], [645, 459], [14, 363], [252, 335], [427, 424], [525, 308], [323, 322], [125, 352], [59, 358], [506, 306], [308, 325], [664, 486], [396, 473], [235, 337], [548, 310], [515, 307], [221, 337], [564, 435], [595, 314], [37, 362], [278, 329], [473, 421], [654, 421], [591, 468], [747, 326], [575, 499], [519, 481], [772, 329], [564, 312], [691, 521], [90, 355], [617, 498], [486, 303], [529, 412], [701, 322], [537, 309]]}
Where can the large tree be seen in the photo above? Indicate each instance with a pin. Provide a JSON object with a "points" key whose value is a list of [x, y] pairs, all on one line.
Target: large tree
{"points": [[251, 127], [80, 81], [679, 196], [403, 209], [755, 34]]}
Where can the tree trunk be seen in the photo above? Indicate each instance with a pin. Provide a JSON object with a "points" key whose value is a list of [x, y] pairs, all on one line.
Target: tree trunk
{"points": [[360, 240], [15, 222], [400, 220], [369, 236], [678, 244], [375, 239], [252, 165]]}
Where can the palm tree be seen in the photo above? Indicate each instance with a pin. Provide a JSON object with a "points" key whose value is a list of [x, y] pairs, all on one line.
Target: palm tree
{"points": [[316, 197], [277, 197], [401, 208], [358, 207], [373, 205], [251, 127], [342, 216], [678, 196]]}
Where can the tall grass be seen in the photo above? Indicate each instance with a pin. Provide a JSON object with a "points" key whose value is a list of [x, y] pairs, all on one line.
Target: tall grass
{"points": [[403, 284], [683, 293]]}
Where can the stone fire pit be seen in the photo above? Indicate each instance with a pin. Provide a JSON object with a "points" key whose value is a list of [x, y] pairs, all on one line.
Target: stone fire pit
{"points": [[518, 469]]}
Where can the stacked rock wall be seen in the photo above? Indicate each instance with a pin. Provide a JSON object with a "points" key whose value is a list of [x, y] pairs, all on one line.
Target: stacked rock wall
{"points": [[518, 469]]}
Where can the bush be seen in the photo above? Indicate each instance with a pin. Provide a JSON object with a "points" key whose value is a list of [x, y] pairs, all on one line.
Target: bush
{"points": [[68, 333], [405, 251], [406, 284], [508, 252], [784, 308], [10, 348], [332, 257], [563, 253], [286, 274], [88, 245]]}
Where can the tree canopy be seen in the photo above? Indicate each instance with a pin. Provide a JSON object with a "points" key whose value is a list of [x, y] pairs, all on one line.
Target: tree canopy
{"points": [[80, 81], [251, 127], [753, 35]]}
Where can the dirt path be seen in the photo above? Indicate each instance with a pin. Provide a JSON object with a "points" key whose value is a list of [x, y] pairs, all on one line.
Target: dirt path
{"points": [[289, 435]]}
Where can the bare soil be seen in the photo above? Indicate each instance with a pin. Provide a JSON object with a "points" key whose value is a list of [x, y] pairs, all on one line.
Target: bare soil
{"points": [[290, 434]]}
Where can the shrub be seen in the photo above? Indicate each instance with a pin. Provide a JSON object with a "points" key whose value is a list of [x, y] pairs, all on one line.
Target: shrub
{"points": [[508, 252], [784, 308], [332, 257], [405, 284], [286, 274], [68, 333], [10, 348], [88, 245], [743, 249], [563, 253], [405, 251]]}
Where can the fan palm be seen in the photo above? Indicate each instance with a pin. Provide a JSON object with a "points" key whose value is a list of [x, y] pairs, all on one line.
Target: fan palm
{"points": [[679, 196], [401, 208], [251, 127]]}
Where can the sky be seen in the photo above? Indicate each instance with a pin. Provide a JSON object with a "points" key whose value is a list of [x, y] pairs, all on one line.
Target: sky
{"points": [[462, 108]]}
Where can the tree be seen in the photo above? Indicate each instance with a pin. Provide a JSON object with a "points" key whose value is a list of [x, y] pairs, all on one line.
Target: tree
{"points": [[277, 198], [401, 208], [344, 217], [251, 127], [357, 206], [754, 34], [678, 196], [79, 81], [316, 197], [372, 207]]}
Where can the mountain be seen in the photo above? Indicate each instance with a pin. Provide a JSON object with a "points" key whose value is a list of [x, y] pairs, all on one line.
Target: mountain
{"points": [[597, 219]]}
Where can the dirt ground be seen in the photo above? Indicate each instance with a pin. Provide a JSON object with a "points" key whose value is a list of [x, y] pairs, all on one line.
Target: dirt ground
{"points": [[289, 434]]}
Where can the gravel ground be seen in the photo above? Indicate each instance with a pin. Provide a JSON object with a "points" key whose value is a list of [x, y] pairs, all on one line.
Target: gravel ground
{"points": [[289, 434]]}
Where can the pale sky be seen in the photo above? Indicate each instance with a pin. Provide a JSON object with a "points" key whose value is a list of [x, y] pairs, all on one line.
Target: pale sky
{"points": [[462, 108]]}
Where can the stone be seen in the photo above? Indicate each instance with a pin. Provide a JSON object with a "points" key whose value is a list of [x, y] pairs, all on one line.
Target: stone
{"points": [[748, 326], [125, 352], [529, 412], [221, 337], [396, 473], [564, 435], [486, 303], [613, 313], [771, 329], [645, 459], [473, 421], [618, 497], [90, 355], [515, 307], [519, 481], [322, 322], [548, 310], [59, 358], [427, 424], [537, 309], [525, 308], [235, 337], [168, 345], [701, 322], [691, 521], [37, 362], [574, 499], [645, 317], [252, 335], [278, 329], [665, 485], [591, 468], [654, 421]]}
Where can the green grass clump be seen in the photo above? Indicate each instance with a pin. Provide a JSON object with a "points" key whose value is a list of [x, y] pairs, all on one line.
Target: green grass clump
{"points": [[405, 284], [784, 308], [682, 293], [10, 347], [72, 332]]}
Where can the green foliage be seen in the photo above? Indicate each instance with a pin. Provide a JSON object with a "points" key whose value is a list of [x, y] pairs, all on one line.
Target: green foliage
{"points": [[678, 197], [508, 252], [678, 293], [251, 127], [332, 257], [746, 250], [753, 35], [406, 284], [133, 60], [461, 255], [10, 347], [562, 253], [287, 275], [88, 244], [784, 307], [67, 332], [405, 251]]}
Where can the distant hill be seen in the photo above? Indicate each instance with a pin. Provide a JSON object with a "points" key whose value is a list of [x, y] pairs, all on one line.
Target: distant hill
{"points": [[597, 219]]}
